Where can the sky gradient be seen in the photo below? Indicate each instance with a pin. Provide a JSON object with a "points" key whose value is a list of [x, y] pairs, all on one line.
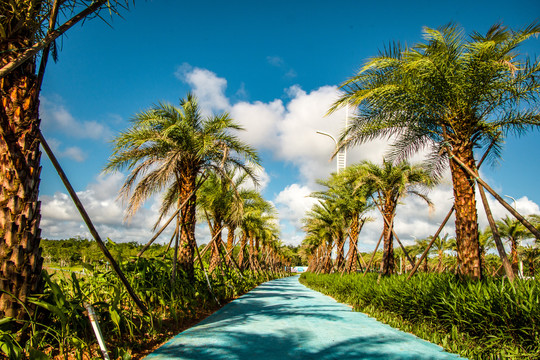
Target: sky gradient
{"points": [[275, 67]]}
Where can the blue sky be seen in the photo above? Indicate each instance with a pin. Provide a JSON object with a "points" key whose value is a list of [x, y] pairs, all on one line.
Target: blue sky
{"points": [[275, 66]]}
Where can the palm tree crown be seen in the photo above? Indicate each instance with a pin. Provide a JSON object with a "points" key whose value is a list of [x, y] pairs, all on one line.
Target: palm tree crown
{"points": [[447, 95], [169, 148]]}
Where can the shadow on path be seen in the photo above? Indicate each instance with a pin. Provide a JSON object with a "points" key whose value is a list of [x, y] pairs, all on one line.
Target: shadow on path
{"points": [[283, 319]]}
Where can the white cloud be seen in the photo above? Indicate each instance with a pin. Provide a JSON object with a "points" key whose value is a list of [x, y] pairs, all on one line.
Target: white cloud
{"points": [[259, 121], [207, 86], [71, 152], [293, 202], [56, 117], [61, 219]]}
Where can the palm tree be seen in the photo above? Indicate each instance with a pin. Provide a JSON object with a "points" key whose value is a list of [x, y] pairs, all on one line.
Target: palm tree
{"points": [[170, 147], [486, 242], [220, 201], [531, 254], [29, 28], [448, 95], [257, 213], [391, 183], [513, 231], [320, 224], [352, 203], [440, 245]]}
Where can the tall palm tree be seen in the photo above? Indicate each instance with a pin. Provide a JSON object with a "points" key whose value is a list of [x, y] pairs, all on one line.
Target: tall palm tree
{"points": [[530, 254], [169, 148], [440, 245], [391, 183], [221, 203], [329, 219], [486, 242], [320, 224], [352, 202], [257, 213], [27, 31], [513, 231], [449, 95]]}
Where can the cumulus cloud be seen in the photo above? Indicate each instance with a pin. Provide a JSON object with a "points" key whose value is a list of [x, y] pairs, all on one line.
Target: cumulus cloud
{"points": [[70, 152], [293, 202], [56, 117], [207, 86], [61, 219]]}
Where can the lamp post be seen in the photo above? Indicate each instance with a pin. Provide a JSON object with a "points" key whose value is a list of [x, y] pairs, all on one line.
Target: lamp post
{"points": [[510, 197], [341, 157]]}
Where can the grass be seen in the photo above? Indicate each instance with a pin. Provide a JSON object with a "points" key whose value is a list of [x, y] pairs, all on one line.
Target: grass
{"points": [[59, 327], [489, 319]]}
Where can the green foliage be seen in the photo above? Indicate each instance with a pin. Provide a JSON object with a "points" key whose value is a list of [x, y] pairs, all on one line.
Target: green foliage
{"points": [[60, 325], [489, 319]]}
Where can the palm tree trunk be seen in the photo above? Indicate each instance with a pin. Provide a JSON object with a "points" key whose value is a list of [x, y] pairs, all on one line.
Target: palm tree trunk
{"points": [[340, 258], [468, 246], [216, 244], [243, 244], [230, 240], [186, 250], [514, 255], [387, 265], [353, 238], [20, 213]]}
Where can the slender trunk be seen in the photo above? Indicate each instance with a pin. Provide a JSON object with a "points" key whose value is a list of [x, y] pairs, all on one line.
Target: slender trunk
{"points": [[230, 239], [340, 244], [216, 244], [20, 213], [186, 249], [353, 238], [241, 257], [387, 265], [468, 246], [514, 255]]}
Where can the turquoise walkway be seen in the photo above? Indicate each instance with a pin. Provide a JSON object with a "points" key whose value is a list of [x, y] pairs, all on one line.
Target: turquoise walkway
{"points": [[282, 319]]}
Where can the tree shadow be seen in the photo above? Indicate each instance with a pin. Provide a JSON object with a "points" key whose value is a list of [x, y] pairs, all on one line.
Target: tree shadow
{"points": [[283, 319], [295, 345]]}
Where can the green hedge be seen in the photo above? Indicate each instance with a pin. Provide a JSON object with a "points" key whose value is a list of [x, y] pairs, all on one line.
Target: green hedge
{"points": [[489, 319]]}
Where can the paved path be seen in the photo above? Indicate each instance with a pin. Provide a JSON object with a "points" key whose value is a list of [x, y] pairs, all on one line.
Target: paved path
{"points": [[282, 319]]}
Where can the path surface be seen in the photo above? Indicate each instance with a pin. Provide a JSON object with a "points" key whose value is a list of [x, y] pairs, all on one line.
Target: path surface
{"points": [[282, 319]]}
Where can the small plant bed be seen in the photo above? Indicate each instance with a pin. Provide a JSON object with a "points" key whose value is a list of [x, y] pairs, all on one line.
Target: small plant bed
{"points": [[488, 319]]}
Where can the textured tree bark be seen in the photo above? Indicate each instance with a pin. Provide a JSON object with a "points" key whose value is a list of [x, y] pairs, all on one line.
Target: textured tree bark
{"points": [[216, 244], [230, 240], [187, 245], [340, 258], [387, 264], [20, 213], [468, 246], [241, 257], [353, 238]]}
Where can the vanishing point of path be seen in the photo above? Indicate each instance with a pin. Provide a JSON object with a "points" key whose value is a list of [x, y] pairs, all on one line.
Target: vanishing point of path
{"points": [[282, 319]]}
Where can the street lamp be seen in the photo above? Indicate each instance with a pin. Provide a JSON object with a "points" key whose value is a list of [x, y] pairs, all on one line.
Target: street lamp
{"points": [[508, 196], [341, 157]]}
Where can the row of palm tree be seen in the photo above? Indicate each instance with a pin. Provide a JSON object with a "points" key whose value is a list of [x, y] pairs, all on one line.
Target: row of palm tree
{"points": [[351, 194], [343, 207], [448, 96], [201, 169]]}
